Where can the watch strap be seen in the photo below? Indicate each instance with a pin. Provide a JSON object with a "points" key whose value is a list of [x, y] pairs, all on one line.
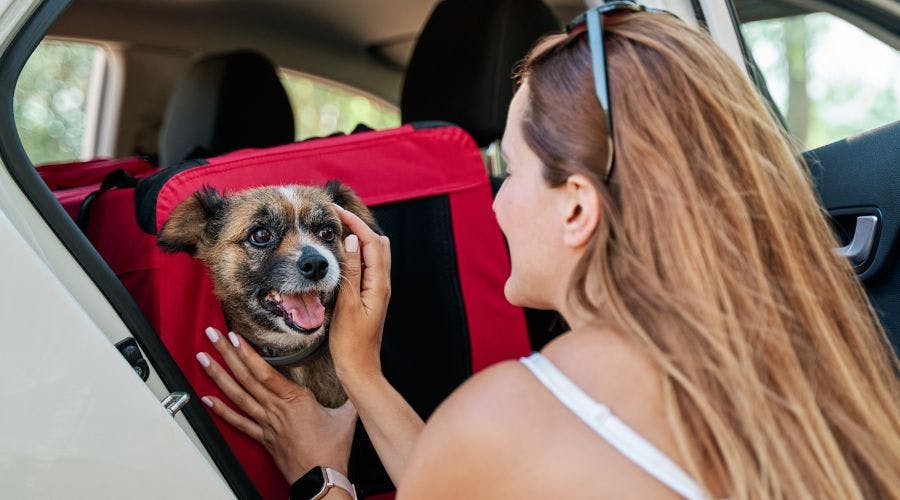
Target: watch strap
{"points": [[335, 478]]}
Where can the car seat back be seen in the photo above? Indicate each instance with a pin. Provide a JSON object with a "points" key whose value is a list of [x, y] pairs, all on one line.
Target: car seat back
{"points": [[462, 66], [223, 103]]}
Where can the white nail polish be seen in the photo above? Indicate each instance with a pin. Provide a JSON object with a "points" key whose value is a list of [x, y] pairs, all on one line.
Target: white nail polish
{"points": [[203, 359], [212, 334], [351, 243], [233, 338], [207, 401]]}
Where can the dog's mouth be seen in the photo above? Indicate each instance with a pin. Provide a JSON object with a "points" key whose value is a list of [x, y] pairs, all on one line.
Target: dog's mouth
{"points": [[302, 312]]}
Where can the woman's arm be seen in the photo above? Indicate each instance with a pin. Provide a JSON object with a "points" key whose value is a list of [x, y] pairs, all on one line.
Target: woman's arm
{"points": [[355, 343], [393, 426]]}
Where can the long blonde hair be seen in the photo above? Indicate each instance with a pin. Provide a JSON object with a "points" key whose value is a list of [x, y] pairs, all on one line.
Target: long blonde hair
{"points": [[715, 258]]}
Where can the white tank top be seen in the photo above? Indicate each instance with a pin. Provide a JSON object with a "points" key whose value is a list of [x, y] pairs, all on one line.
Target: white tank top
{"points": [[599, 418]]}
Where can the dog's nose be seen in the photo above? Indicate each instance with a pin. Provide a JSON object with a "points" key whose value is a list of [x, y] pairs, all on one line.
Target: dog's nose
{"points": [[312, 264]]}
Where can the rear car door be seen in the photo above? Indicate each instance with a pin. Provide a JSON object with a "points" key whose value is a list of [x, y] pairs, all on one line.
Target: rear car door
{"points": [[75, 418]]}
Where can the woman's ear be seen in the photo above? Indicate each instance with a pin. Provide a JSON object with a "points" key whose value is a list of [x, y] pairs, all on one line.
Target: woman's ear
{"points": [[581, 209]]}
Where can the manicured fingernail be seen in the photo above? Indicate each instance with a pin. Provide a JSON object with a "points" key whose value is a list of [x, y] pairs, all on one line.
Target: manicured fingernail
{"points": [[338, 206], [212, 334], [351, 243], [207, 401], [233, 338], [203, 359]]}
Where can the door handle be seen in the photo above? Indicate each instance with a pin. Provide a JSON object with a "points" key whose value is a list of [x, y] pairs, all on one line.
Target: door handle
{"points": [[860, 248], [175, 402]]}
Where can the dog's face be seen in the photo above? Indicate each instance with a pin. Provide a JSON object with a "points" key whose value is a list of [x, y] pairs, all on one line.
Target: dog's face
{"points": [[274, 254]]}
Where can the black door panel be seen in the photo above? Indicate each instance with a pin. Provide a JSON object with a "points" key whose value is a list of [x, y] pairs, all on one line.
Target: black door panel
{"points": [[860, 176]]}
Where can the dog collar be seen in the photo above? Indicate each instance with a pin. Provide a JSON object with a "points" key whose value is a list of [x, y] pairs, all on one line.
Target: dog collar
{"points": [[300, 357]]}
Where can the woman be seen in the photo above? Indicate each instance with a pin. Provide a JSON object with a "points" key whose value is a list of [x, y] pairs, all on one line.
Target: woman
{"points": [[707, 309]]}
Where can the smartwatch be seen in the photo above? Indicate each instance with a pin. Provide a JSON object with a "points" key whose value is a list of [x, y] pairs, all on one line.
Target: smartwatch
{"points": [[316, 483]]}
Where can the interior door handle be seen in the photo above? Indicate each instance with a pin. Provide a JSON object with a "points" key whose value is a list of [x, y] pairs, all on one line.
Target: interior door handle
{"points": [[860, 248]]}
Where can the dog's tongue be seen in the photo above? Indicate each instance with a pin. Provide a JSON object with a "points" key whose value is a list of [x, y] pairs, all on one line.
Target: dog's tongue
{"points": [[306, 309]]}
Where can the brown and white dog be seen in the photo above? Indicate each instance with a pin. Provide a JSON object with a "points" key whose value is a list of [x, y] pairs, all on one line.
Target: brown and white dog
{"points": [[275, 256]]}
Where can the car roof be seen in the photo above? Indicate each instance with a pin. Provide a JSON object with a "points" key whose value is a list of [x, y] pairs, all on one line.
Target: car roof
{"points": [[359, 42]]}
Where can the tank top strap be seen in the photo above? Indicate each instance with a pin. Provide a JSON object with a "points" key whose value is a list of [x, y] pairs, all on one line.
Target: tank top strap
{"points": [[621, 437]]}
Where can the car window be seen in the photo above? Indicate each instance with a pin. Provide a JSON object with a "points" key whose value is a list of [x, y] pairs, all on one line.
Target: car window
{"points": [[828, 78], [323, 107], [57, 99]]}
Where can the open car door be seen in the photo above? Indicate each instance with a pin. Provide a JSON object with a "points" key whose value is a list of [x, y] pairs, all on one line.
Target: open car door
{"points": [[859, 183], [832, 67]]}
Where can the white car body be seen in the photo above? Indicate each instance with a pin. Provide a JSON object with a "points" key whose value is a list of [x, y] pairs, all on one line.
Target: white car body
{"points": [[75, 420]]}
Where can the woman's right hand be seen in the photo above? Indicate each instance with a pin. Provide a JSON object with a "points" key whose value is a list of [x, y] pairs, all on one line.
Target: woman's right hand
{"points": [[358, 322]]}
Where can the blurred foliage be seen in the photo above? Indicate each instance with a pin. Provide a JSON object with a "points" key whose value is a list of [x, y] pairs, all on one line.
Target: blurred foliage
{"points": [[321, 109], [822, 99], [50, 100]]}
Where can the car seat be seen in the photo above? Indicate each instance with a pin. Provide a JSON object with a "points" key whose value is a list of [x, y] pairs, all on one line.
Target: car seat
{"points": [[462, 65], [461, 72], [223, 103]]}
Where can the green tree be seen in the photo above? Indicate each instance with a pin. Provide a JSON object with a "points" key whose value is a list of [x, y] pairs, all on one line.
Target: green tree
{"points": [[321, 109], [791, 53], [796, 39], [49, 103]]}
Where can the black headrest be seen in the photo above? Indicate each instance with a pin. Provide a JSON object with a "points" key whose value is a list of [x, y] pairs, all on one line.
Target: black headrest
{"points": [[225, 102], [461, 69]]}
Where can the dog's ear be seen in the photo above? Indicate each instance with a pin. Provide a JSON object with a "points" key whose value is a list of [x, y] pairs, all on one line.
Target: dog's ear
{"points": [[188, 221], [348, 200]]}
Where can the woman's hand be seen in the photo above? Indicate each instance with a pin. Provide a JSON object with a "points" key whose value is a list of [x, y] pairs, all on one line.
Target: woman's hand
{"points": [[358, 323], [284, 417], [355, 342]]}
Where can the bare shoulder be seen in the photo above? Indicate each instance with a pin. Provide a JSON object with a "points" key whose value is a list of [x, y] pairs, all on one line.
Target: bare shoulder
{"points": [[502, 434]]}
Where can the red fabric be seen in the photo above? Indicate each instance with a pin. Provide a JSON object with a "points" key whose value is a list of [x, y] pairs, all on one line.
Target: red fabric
{"points": [[81, 173], [482, 274], [397, 164], [72, 182], [72, 198], [175, 291]]}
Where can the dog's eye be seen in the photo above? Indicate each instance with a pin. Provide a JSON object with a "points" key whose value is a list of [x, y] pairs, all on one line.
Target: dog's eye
{"points": [[261, 237], [327, 234]]}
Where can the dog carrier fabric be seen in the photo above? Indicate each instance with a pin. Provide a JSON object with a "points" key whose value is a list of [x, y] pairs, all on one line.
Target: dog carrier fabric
{"points": [[72, 182], [429, 190]]}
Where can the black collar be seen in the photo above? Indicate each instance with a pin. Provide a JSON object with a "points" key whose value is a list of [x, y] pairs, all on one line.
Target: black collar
{"points": [[298, 358]]}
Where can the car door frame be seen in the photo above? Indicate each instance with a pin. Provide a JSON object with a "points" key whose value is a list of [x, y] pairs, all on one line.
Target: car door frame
{"points": [[40, 16]]}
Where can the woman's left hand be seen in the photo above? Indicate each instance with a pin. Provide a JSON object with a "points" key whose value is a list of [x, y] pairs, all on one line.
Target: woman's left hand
{"points": [[284, 417]]}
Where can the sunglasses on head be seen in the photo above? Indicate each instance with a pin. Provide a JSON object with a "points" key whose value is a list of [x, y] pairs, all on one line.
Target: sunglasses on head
{"points": [[592, 21]]}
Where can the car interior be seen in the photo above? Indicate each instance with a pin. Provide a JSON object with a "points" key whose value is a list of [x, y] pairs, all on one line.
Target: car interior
{"points": [[193, 97]]}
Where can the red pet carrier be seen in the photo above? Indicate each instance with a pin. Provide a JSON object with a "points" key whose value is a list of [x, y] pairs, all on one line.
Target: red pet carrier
{"points": [[429, 191]]}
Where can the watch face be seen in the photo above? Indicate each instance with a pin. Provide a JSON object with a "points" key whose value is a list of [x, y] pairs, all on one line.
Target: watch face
{"points": [[309, 485]]}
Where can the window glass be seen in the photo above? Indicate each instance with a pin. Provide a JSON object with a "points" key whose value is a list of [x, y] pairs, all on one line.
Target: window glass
{"points": [[322, 107], [829, 79], [55, 97]]}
